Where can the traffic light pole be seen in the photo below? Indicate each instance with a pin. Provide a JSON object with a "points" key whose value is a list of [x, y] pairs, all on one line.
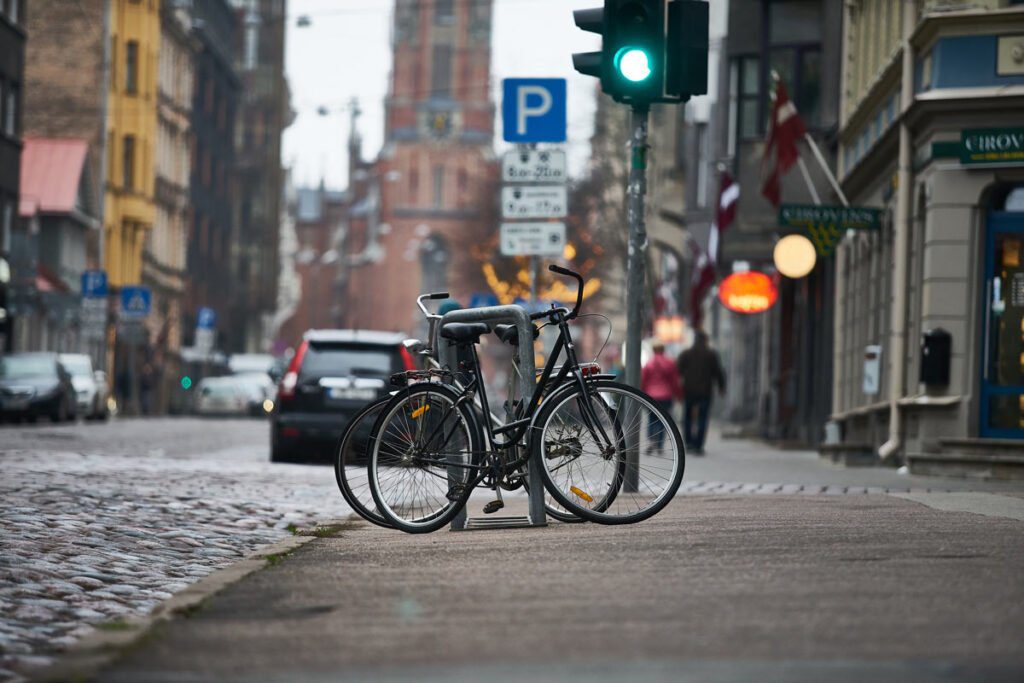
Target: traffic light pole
{"points": [[636, 282]]}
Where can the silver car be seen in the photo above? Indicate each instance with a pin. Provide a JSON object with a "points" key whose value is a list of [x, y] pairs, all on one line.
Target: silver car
{"points": [[90, 386]]}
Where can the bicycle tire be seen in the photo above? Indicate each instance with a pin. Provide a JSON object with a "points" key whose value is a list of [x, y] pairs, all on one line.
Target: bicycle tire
{"points": [[649, 464], [389, 456], [354, 489]]}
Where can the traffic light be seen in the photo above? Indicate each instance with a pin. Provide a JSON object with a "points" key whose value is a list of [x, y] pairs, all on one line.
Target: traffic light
{"points": [[652, 50]]}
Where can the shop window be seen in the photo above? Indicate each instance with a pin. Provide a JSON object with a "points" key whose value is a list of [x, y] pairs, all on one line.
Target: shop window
{"points": [[438, 186]]}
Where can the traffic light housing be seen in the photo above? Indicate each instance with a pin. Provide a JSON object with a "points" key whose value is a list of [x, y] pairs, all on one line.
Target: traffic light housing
{"points": [[652, 50]]}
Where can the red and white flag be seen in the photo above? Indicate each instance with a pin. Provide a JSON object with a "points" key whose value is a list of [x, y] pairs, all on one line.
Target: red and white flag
{"points": [[704, 271], [780, 150]]}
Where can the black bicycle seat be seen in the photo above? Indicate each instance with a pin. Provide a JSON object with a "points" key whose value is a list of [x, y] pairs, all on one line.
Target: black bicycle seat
{"points": [[510, 333], [464, 333]]}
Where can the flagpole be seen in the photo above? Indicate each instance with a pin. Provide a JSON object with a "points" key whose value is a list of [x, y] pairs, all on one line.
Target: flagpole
{"points": [[807, 179], [824, 166]]}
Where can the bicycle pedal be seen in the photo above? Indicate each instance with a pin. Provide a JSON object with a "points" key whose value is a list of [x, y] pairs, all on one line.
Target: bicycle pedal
{"points": [[493, 506]]}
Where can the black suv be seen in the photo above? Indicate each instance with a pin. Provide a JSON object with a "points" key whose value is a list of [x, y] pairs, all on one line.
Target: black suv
{"points": [[333, 374]]}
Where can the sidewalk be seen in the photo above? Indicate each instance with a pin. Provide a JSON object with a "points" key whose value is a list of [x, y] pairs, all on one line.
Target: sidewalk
{"points": [[715, 588]]}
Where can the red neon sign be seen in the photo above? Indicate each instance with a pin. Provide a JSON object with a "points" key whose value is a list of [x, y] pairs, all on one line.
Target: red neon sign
{"points": [[749, 292]]}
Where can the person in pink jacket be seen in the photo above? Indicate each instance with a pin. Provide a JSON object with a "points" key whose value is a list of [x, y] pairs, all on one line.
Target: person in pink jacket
{"points": [[659, 379]]}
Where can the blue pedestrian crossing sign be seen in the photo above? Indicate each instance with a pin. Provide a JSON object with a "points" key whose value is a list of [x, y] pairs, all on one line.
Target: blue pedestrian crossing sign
{"points": [[533, 109], [94, 284], [206, 318], [136, 301]]}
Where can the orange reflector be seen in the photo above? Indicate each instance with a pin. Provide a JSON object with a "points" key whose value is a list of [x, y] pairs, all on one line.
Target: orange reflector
{"points": [[582, 494], [419, 411]]}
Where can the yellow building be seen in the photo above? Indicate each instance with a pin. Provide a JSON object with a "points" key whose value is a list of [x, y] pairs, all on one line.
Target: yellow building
{"points": [[131, 132]]}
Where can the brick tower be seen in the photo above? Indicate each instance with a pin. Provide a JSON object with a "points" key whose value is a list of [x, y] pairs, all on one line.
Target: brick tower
{"points": [[432, 193]]}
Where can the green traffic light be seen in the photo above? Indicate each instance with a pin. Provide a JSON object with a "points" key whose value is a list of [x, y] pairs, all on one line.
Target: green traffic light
{"points": [[186, 382], [633, 63]]}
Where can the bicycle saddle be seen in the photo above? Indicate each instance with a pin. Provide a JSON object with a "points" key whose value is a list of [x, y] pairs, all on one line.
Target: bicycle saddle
{"points": [[464, 333], [510, 333]]}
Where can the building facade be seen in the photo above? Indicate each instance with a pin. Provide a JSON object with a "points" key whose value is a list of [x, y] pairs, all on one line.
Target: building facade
{"points": [[432, 193], [12, 71], [164, 251], [779, 361], [930, 133], [264, 112], [212, 254]]}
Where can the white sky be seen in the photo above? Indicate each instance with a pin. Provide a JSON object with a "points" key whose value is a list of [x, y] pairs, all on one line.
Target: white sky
{"points": [[346, 52]]}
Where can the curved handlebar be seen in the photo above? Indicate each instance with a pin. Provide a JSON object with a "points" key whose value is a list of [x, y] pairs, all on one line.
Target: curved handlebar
{"points": [[438, 295], [579, 288]]}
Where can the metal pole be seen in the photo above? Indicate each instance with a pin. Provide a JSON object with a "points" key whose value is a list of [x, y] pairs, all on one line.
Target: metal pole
{"points": [[534, 262], [824, 167], [637, 276], [807, 179], [637, 264]]}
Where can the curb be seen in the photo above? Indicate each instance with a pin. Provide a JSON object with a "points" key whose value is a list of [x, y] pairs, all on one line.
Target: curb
{"points": [[83, 660]]}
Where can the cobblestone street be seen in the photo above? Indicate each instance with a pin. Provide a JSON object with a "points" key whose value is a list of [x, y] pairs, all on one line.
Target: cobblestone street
{"points": [[98, 522]]}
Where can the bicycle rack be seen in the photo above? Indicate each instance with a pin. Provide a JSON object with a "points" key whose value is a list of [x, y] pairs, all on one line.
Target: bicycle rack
{"points": [[518, 316]]}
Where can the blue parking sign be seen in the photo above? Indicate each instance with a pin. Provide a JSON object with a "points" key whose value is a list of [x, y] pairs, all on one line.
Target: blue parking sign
{"points": [[136, 301], [94, 284], [206, 318], [533, 109]]}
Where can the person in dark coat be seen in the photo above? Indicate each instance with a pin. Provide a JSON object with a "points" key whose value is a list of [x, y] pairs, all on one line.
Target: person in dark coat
{"points": [[700, 369]]}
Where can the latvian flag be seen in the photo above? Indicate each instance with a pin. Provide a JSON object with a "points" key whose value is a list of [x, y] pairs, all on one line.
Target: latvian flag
{"points": [[780, 150]]}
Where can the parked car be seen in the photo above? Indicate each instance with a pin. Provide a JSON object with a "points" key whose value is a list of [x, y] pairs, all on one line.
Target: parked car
{"points": [[333, 374], [34, 384], [90, 385], [222, 396], [261, 392]]}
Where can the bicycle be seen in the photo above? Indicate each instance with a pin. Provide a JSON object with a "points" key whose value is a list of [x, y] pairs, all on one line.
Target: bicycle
{"points": [[350, 469], [600, 444]]}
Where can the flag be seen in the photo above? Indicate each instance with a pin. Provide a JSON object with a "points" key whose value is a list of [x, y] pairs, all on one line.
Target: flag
{"points": [[704, 269], [780, 150]]}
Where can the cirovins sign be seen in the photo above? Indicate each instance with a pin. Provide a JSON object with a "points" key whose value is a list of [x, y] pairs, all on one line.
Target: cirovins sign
{"points": [[992, 146], [749, 292]]}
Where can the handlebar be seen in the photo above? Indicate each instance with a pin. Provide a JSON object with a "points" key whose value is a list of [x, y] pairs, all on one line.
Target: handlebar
{"points": [[432, 297], [579, 287]]}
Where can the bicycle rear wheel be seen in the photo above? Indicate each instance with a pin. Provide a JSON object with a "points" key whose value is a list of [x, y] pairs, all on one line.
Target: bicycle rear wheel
{"points": [[423, 458], [352, 459], [621, 469]]}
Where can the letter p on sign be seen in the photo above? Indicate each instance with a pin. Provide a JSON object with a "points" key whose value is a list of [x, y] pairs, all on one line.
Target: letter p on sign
{"points": [[533, 109]]}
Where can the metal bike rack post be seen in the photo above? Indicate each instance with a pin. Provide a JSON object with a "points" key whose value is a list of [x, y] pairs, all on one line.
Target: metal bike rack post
{"points": [[518, 316]]}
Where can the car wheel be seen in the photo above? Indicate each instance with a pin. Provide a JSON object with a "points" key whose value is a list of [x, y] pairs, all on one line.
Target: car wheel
{"points": [[60, 413]]}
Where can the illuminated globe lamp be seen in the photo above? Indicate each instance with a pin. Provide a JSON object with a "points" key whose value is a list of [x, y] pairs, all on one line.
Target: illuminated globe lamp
{"points": [[794, 256], [748, 292], [633, 63]]}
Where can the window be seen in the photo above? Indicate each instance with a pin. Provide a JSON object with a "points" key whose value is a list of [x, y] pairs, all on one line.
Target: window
{"points": [[441, 76], [438, 186], [794, 30], [131, 67], [251, 44], [703, 163], [10, 109], [128, 162], [795, 21], [113, 63], [12, 7], [749, 122], [7, 227], [444, 12]]}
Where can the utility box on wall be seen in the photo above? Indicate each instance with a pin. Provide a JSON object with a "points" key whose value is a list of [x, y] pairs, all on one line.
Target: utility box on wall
{"points": [[936, 353], [872, 369]]}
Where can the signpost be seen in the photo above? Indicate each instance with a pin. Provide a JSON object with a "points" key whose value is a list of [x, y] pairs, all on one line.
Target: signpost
{"points": [[136, 303], [826, 225], [533, 110], [546, 201], [532, 239], [94, 304], [206, 333]]}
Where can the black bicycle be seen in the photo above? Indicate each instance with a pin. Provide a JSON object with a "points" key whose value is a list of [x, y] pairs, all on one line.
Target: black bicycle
{"points": [[607, 452]]}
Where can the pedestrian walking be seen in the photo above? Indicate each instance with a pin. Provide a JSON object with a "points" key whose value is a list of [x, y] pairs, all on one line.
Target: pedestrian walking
{"points": [[700, 370], [660, 381]]}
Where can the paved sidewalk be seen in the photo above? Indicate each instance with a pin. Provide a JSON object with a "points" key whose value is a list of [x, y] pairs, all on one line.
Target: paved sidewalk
{"points": [[719, 588]]}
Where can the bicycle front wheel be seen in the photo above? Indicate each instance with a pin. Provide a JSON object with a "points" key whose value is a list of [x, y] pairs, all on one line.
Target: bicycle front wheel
{"points": [[423, 459], [613, 457]]}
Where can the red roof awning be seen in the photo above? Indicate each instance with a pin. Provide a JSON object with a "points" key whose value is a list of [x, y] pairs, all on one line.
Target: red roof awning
{"points": [[51, 170]]}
